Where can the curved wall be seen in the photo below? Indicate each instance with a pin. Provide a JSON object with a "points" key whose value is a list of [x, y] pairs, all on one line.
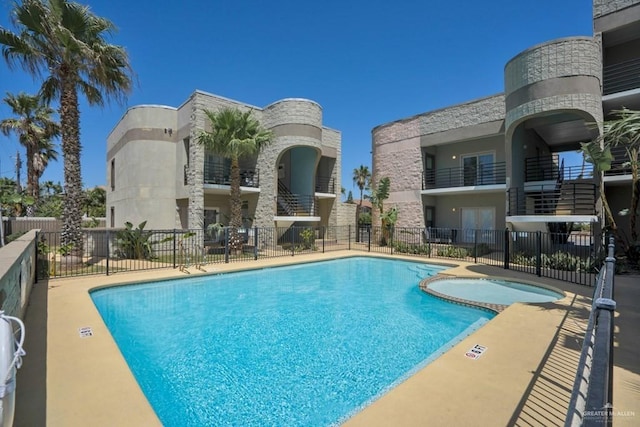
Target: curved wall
{"points": [[295, 123], [560, 75]]}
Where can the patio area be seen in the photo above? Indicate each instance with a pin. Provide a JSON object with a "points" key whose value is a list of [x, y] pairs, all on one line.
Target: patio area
{"points": [[524, 377]]}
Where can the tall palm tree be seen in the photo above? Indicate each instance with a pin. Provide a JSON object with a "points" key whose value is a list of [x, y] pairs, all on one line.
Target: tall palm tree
{"points": [[35, 128], [362, 179], [234, 134], [43, 155], [65, 44]]}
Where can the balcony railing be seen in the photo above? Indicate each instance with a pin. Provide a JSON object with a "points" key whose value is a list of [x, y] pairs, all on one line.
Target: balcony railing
{"points": [[325, 184], [489, 174], [290, 204], [621, 76], [620, 164], [549, 168], [568, 198], [218, 174]]}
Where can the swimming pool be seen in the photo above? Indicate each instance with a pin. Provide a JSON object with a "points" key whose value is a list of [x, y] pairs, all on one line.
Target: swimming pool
{"points": [[493, 291], [305, 345]]}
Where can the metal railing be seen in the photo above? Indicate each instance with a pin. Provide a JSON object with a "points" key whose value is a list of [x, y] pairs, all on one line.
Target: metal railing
{"points": [[567, 198], [215, 173], [550, 168], [325, 184], [592, 397], [567, 256], [621, 76], [489, 174], [620, 164]]}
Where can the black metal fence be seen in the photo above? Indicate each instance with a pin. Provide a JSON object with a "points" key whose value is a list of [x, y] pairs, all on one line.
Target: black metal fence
{"points": [[570, 256], [591, 400]]}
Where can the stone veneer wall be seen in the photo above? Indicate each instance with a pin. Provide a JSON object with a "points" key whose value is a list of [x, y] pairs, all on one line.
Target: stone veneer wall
{"points": [[200, 101], [575, 57], [397, 152], [604, 7], [308, 115]]}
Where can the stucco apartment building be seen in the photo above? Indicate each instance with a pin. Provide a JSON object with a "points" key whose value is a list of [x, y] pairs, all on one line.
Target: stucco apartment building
{"points": [[158, 173], [499, 161]]}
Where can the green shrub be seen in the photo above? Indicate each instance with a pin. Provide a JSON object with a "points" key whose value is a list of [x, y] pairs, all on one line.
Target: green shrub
{"points": [[413, 249], [452, 252], [308, 236], [134, 243]]}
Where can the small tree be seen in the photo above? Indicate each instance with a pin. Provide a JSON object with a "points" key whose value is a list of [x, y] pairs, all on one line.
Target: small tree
{"points": [[389, 218]]}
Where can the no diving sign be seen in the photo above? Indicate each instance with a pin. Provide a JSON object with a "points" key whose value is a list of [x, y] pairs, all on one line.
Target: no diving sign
{"points": [[475, 352]]}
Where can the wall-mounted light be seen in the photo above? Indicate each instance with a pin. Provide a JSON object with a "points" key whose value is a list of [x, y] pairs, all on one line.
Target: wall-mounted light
{"points": [[453, 209], [168, 130], [453, 157]]}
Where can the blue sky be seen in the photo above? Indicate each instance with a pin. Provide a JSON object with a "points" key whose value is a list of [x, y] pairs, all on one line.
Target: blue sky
{"points": [[366, 62]]}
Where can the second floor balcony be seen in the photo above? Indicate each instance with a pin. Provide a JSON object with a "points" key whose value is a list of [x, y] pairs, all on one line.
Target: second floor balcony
{"points": [[568, 198], [325, 184], [483, 174], [215, 173], [621, 77]]}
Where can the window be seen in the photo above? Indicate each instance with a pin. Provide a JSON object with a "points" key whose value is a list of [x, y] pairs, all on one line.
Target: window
{"points": [[429, 216], [113, 174], [478, 169], [477, 219]]}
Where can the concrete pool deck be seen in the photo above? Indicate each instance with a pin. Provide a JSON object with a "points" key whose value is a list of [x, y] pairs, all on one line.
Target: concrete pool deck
{"points": [[524, 377]]}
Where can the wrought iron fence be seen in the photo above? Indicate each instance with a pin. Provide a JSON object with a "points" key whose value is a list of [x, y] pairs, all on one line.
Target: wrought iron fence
{"points": [[569, 256]]}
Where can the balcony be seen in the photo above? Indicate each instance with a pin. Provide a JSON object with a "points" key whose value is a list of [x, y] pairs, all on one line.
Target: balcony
{"points": [[568, 198], [486, 174], [325, 184], [290, 204], [215, 173], [621, 77], [620, 164], [550, 168]]}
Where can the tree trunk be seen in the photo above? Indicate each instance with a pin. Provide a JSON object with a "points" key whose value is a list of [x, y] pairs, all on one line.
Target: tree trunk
{"points": [[235, 242], [70, 127]]}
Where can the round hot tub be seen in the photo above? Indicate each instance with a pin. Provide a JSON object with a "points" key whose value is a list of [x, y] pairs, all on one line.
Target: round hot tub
{"points": [[493, 291]]}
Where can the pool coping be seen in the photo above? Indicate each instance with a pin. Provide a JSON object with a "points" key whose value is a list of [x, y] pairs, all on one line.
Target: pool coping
{"points": [[492, 307]]}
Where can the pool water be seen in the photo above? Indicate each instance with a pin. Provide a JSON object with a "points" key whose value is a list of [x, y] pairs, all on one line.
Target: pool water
{"points": [[493, 291], [306, 345]]}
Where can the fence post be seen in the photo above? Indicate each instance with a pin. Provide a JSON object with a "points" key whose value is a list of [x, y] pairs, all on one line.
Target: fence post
{"points": [[36, 260], [255, 243], [475, 246], [538, 253], [174, 248], [108, 250], [506, 249], [369, 236], [391, 239], [226, 245], [324, 232], [349, 236]]}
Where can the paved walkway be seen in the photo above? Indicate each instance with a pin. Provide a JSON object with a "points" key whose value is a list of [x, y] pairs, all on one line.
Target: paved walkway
{"points": [[524, 377]]}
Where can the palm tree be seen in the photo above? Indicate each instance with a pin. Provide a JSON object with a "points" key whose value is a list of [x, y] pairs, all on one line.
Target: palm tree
{"points": [[234, 134], [377, 197], [362, 179], [44, 154], [65, 44], [621, 131], [35, 128]]}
